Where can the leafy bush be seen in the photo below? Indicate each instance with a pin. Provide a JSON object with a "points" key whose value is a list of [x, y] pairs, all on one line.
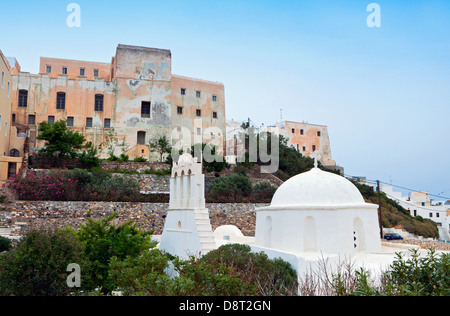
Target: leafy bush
{"points": [[77, 185], [230, 188], [5, 244], [103, 241], [140, 159], [263, 192], [271, 277], [52, 186], [146, 275], [37, 265]]}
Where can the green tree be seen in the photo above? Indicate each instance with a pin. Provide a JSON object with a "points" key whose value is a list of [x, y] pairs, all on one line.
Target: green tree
{"points": [[59, 140], [160, 146]]}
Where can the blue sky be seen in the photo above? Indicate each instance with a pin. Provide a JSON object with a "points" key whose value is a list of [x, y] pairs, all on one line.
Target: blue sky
{"points": [[384, 93]]}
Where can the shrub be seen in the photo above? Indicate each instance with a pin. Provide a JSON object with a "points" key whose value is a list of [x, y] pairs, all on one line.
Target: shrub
{"points": [[263, 192], [139, 159], [5, 244], [146, 275], [271, 277], [103, 241], [37, 265], [232, 187], [52, 186]]}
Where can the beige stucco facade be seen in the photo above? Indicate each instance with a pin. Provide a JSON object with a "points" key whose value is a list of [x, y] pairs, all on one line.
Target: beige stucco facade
{"points": [[306, 138], [9, 166], [120, 106]]}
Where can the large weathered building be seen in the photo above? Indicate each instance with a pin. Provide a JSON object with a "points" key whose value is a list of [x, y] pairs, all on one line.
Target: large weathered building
{"points": [[119, 106]]}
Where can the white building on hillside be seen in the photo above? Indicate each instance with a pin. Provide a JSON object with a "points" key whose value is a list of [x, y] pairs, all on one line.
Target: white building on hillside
{"points": [[420, 204]]}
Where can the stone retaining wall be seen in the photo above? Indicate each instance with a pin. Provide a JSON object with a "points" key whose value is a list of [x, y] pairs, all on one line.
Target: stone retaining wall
{"points": [[147, 216]]}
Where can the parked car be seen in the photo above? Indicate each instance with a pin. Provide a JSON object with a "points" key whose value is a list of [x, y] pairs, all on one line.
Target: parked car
{"points": [[393, 236]]}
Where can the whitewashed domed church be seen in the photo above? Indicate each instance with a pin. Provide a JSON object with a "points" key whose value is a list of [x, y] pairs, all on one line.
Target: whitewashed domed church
{"points": [[314, 216]]}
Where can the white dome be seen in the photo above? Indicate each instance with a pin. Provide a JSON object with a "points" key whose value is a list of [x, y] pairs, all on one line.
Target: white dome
{"points": [[317, 188]]}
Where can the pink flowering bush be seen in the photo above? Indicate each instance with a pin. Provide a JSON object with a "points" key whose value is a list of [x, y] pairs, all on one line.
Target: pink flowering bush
{"points": [[79, 185], [54, 186]]}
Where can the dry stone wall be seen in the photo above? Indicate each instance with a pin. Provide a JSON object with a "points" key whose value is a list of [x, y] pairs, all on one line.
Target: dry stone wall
{"points": [[147, 216]]}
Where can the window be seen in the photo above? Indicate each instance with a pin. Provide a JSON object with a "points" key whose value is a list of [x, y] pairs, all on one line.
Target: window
{"points": [[14, 153], [70, 121], [82, 71], [180, 110], [183, 91], [318, 133], [31, 119], [304, 148], [88, 121], [99, 102], [23, 98], [60, 101], [13, 117], [141, 138], [51, 120], [64, 71], [107, 123], [145, 109], [49, 69], [293, 130], [215, 115], [6, 128], [3, 79], [214, 98], [301, 132], [437, 214], [198, 112], [198, 94], [95, 73], [431, 214], [314, 148]]}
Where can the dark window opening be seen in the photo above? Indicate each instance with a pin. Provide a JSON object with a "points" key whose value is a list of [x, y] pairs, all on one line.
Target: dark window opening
{"points": [[180, 110], [64, 71], [215, 115], [198, 112], [198, 94], [14, 153], [301, 132], [107, 123], [49, 69], [99, 102], [23, 98], [82, 71], [314, 148], [89, 122], [70, 121], [318, 133], [51, 120], [60, 101], [214, 98], [183, 91], [31, 119], [145, 109], [95, 73]]}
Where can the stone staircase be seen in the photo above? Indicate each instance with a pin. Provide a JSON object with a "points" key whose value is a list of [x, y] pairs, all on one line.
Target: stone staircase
{"points": [[205, 230]]}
